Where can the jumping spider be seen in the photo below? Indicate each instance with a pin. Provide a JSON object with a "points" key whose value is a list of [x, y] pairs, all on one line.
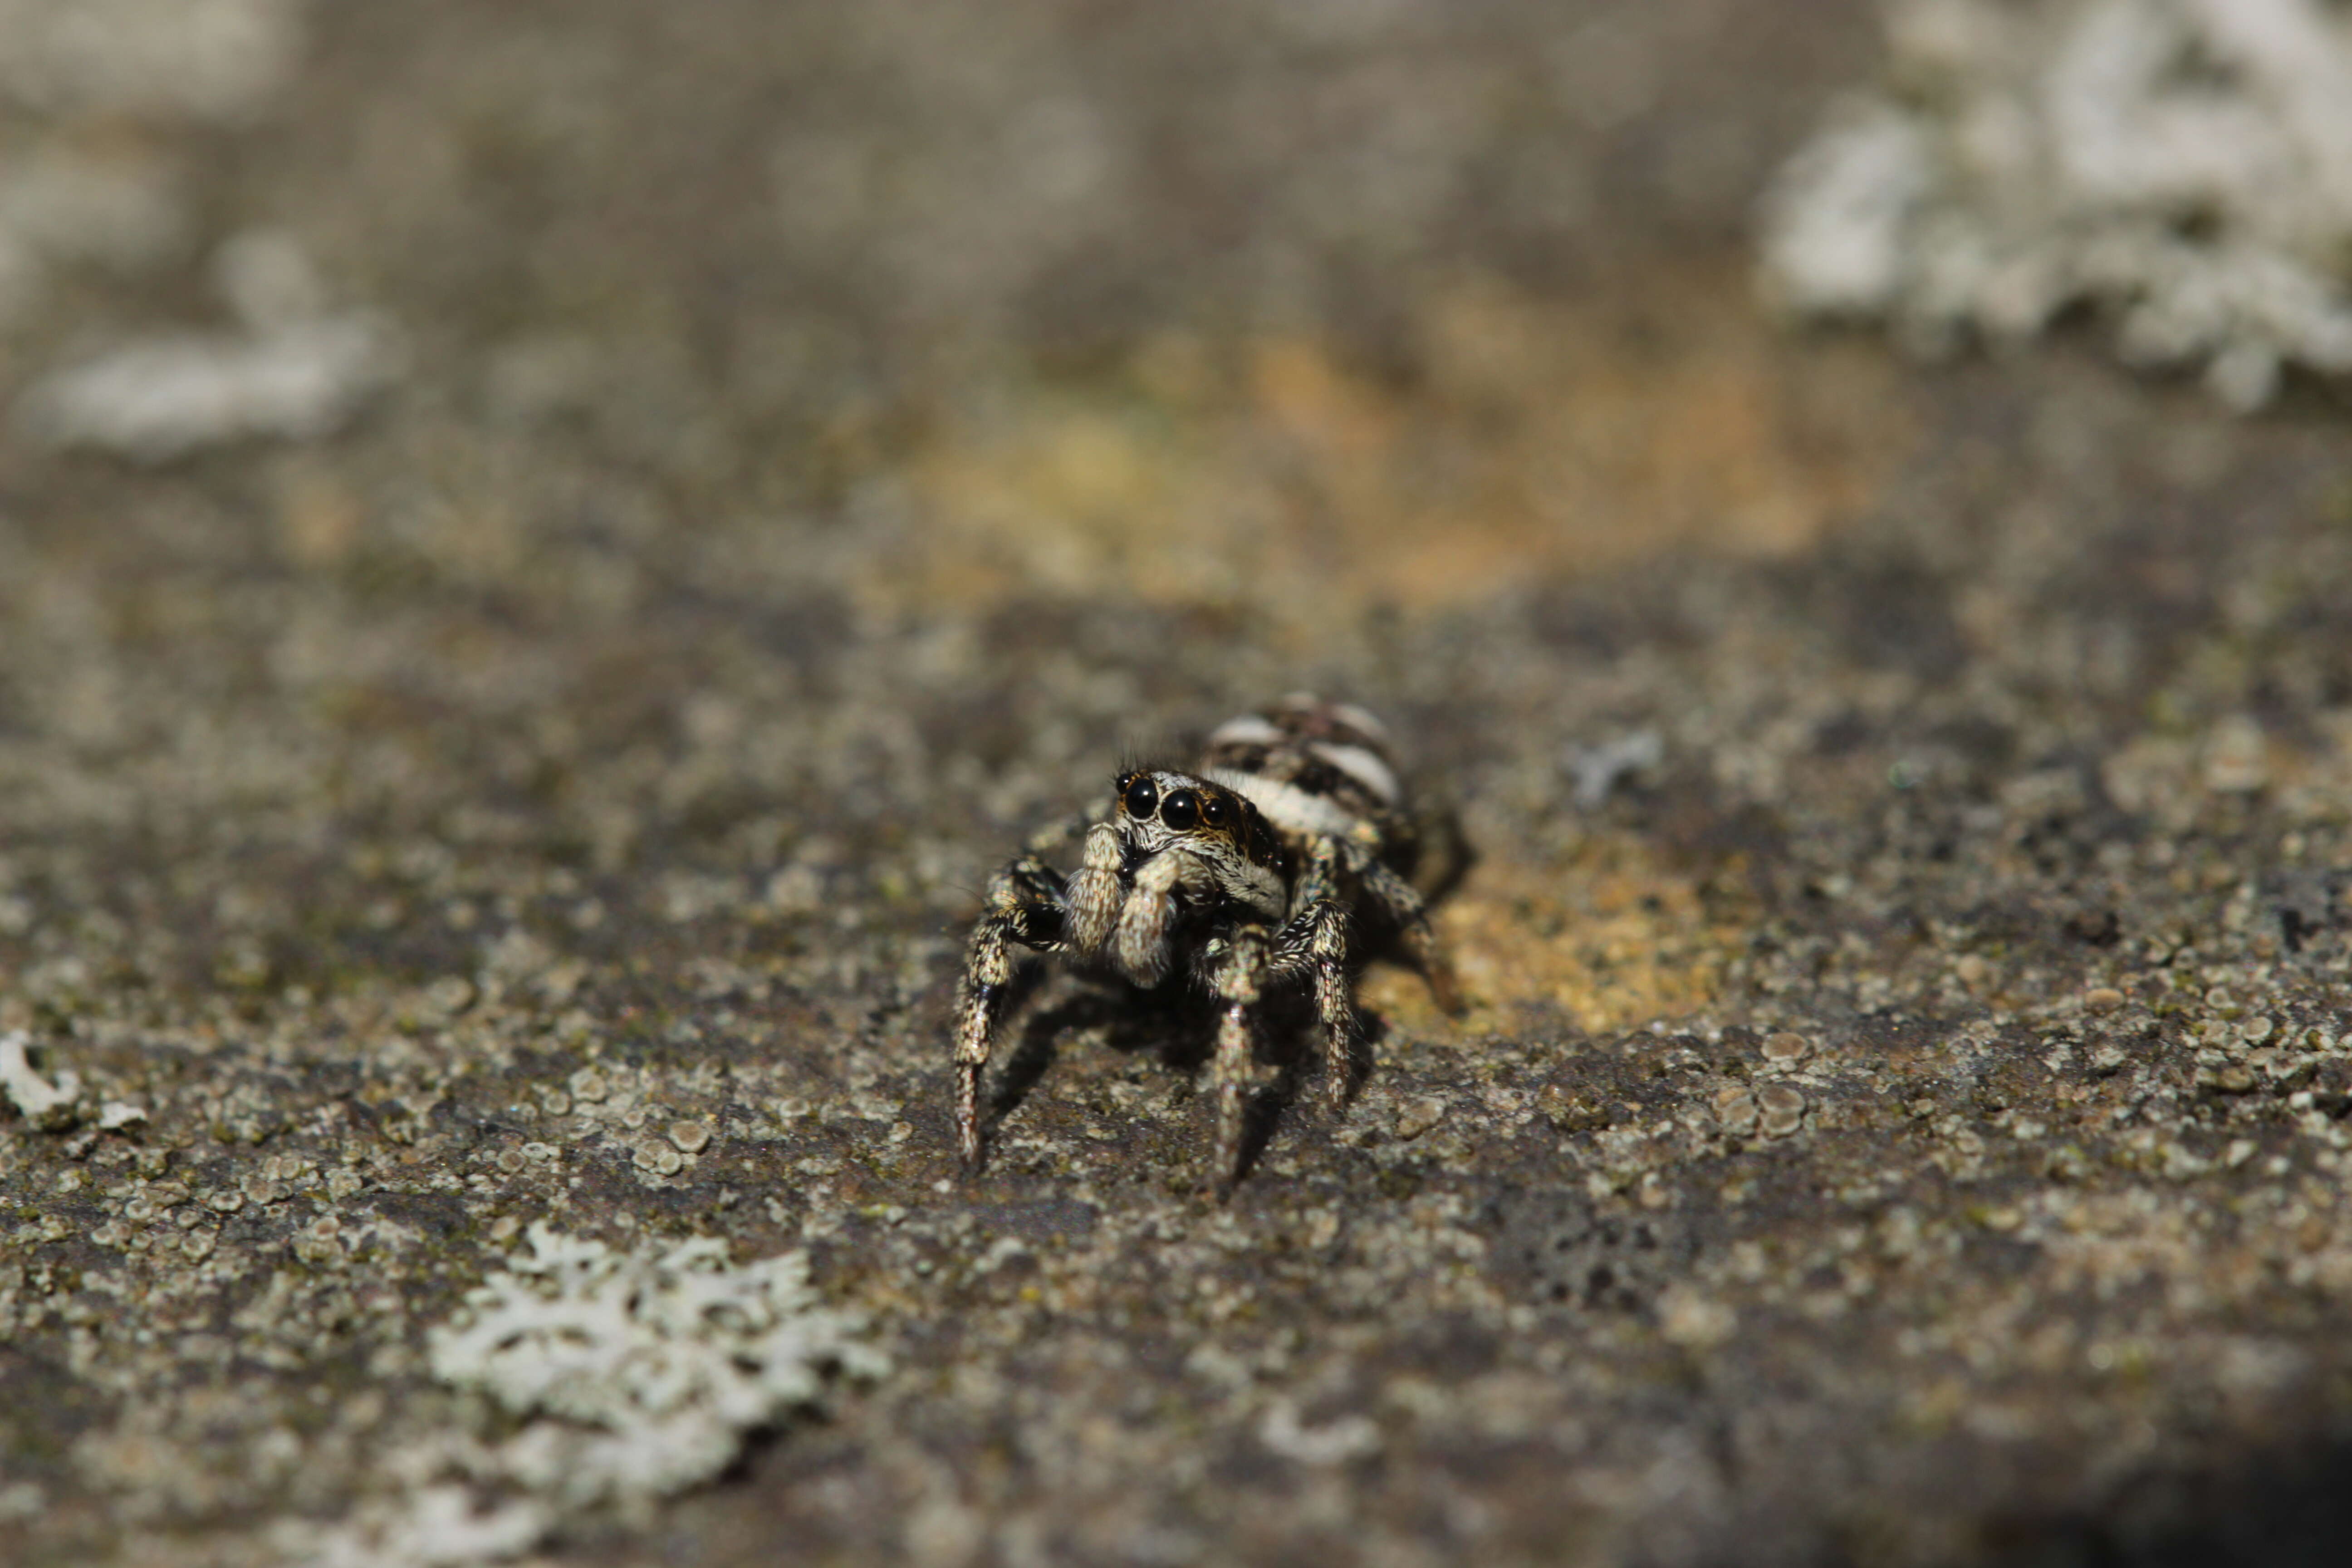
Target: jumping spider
{"points": [[1243, 876]]}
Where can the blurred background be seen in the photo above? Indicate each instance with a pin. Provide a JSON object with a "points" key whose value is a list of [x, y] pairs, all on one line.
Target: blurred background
{"points": [[1230, 307], [626, 507], [891, 411]]}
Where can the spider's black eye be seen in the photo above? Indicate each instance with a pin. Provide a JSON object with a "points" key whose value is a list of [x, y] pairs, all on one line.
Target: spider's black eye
{"points": [[1181, 810], [1213, 811], [1140, 795]]}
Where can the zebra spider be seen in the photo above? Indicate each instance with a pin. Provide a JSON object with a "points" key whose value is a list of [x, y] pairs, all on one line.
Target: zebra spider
{"points": [[1245, 875]]}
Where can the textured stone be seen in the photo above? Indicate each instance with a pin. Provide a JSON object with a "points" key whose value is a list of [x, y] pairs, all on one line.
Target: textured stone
{"points": [[797, 498]]}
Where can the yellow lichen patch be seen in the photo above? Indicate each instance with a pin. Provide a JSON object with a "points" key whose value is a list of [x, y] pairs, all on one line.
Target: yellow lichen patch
{"points": [[1609, 934], [1528, 438]]}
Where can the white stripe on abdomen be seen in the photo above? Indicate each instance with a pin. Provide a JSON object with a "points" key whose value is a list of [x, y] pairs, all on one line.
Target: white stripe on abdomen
{"points": [[1288, 808]]}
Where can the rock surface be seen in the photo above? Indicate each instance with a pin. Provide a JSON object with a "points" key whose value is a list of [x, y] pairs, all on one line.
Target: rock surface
{"points": [[1899, 1116]]}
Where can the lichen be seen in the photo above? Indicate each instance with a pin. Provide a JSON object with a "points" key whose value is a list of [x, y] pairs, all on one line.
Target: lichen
{"points": [[633, 1376], [638, 1373], [39, 1101], [2184, 166]]}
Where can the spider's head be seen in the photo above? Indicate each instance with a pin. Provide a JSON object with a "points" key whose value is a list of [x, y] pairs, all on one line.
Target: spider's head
{"points": [[1158, 808], [1191, 844]]}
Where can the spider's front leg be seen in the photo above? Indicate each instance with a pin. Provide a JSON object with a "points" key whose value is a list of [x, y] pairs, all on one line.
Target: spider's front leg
{"points": [[1314, 940], [1096, 894], [1238, 977], [1145, 940], [1025, 909]]}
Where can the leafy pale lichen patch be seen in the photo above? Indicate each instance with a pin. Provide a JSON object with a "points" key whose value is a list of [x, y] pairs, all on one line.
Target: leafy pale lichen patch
{"points": [[640, 1372], [1609, 933], [635, 1374], [36, 1098], [2182, 167]]}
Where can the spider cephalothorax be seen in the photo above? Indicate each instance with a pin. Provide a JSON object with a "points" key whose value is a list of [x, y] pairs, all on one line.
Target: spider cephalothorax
{"points": [[1243, 875]]}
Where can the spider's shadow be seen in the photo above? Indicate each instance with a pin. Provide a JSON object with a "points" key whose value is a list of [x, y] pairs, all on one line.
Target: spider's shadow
{"points": [[1040, 1043], [1178, 1024], [1172, 1023]]}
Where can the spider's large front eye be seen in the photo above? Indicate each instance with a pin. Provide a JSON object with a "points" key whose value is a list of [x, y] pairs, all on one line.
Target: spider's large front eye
{"points": [[1143, 797], [1181, 810]]}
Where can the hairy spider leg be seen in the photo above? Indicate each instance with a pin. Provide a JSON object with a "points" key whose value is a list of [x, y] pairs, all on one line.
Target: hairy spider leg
{"points": [[1314, 940], [1397, 899], [1026, 907], [1155, 908], [1096, 894], [1238, 979]]}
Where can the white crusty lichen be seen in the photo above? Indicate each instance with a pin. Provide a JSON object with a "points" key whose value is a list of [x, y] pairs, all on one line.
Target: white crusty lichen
{"points": [[172, 394], [295, 371], [643, 1371], [633, 1376], [2182, 166], [444, 1525], [39, 1101]]}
